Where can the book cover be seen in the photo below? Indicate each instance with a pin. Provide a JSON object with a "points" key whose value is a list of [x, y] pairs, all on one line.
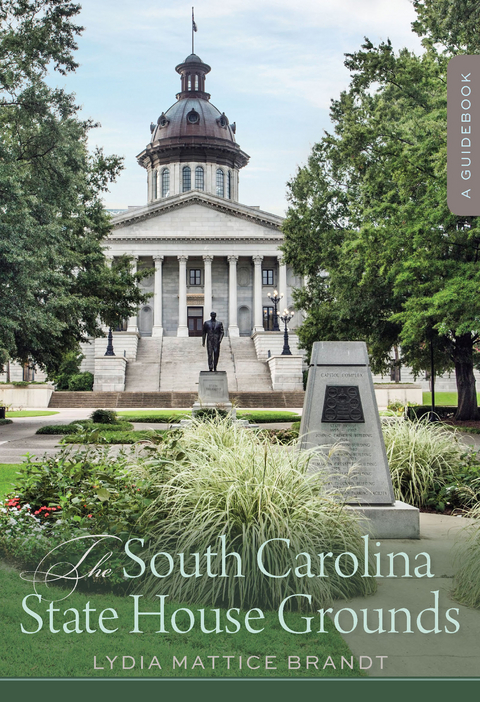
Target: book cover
{"points": [[206, 599]]}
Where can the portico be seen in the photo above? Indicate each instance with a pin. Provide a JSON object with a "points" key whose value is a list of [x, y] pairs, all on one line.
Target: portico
{"points": [[228, 262]]}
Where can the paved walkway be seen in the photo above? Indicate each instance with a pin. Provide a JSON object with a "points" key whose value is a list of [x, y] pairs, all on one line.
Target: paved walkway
{"points": [[418, 654]]}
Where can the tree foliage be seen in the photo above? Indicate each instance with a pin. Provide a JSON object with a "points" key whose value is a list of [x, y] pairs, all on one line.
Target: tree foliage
{"points": [[368, 220], [55, 289]]}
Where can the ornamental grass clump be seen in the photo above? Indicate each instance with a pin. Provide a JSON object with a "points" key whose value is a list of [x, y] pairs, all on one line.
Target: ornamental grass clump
{"points": [[466, 583], [422, 457], [213, 480]]}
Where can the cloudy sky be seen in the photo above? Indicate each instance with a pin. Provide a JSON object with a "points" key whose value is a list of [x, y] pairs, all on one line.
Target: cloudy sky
{"points": [[276, 64]]}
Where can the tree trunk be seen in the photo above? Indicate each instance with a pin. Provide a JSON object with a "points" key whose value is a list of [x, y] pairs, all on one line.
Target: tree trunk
{"points": [[467, 394]]}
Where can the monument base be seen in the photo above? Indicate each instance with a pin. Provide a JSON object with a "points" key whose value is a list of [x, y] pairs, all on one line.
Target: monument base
{"points": [[397, 521], [213, 393]]}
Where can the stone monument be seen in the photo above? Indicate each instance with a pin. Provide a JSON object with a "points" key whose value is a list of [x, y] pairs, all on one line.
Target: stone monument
{"points": [[340, 408]]}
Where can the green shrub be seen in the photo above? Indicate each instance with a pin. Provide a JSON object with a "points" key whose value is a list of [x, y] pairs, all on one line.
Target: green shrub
{"points": [[210, 414], [75, 493], [109, 435], [214, 478], [88, 425], [81, 382], [83, 426], [59, 429], [80, 483], [419, 411], [104, 416], [424, 460], [5, 421], [68, 368]]}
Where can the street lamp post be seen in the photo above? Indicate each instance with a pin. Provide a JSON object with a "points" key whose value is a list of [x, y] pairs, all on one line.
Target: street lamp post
{"points": [[286, 317], [275, 298], [110, 351]]}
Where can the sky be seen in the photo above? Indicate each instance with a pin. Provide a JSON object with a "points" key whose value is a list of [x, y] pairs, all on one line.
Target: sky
{"points": [[276, 65]]}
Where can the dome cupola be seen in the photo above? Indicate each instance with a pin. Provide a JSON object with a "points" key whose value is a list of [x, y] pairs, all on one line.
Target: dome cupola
{"points": [[192, 144]]}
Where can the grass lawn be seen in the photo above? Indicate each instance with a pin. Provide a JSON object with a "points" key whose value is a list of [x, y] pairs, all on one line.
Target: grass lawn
{"points": [[29, 413], [8, 473], [444, 398], [47, 654]]}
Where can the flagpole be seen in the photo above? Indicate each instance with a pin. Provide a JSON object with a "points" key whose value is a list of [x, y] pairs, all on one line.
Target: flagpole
{"points": [[193, 30]]}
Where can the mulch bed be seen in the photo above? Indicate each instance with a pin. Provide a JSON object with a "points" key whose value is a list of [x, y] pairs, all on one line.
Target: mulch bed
{"points": [[469, 424]]}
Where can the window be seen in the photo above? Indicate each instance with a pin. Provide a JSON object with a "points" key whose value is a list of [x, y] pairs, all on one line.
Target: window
{"points": [[199, 178], [196, 81], [155, 185], [267, 277], [189, 82], [229, 185], [220, 183], [186, 179], [268, 318], [195, 276], [165, 182]]}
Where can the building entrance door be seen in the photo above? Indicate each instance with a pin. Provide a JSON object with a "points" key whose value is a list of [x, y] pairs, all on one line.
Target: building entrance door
{"points": [[195, 321]]}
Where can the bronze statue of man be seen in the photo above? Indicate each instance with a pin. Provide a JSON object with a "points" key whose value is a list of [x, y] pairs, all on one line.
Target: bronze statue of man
{"points": [[213, 333]]}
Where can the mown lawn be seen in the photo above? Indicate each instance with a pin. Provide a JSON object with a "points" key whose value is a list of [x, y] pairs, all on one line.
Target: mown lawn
{"points": [[47, 654], [29, 413], [8, 474], [444, 398]]}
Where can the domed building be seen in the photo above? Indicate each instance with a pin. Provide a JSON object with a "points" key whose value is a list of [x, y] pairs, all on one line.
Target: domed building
{"points": [[205, 250]]}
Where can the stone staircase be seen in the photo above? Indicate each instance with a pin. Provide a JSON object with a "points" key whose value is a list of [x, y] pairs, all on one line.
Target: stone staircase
{"points": [[165, 374], [251, 374], [160, 400], [143, 374], [184, 357]]}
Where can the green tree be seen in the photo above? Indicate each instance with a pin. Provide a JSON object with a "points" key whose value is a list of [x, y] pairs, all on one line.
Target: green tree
{"points": [[369, 223], [55, 288]]}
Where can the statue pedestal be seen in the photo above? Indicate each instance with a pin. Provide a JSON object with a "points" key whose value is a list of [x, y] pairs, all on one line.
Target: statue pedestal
{"points": [[213, 392]]}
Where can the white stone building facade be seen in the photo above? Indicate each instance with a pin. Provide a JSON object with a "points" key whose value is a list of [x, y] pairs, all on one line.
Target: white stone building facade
{"points": [[204, 251]]}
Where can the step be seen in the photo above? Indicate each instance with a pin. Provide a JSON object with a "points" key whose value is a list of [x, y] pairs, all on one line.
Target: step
{"points": [[181, 400]]}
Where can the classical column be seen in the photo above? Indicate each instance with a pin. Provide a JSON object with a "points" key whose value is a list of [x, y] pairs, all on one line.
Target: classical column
{"points": [[207, 287], [132, 322], [282, 281], [182, 296], [257, 294], [232, 297], [157, 329]]}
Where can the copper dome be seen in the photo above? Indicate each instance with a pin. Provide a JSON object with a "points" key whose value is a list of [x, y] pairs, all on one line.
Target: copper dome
{"points": [[193, 129]]}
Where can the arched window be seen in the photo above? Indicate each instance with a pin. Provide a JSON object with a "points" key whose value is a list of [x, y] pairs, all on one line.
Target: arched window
{"points": [[165, 182], [229, 185], [199, 178], [155, 184], [220, 183], [186, 179]]}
